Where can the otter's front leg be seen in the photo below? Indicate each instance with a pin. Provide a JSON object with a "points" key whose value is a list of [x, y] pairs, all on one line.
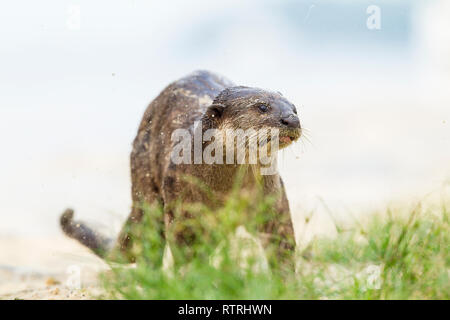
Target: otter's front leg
{"points": [[277, 232], [180, 234]]}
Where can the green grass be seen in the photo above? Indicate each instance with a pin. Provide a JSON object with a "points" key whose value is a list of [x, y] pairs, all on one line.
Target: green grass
{"points": [[393, 256]]}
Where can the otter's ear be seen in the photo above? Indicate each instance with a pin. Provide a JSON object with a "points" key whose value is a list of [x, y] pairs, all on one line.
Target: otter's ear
{"points": [[212, 116], [215, 111]]}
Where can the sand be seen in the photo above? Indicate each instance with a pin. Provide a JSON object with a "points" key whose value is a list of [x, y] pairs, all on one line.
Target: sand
{"points": [[54, 268]]}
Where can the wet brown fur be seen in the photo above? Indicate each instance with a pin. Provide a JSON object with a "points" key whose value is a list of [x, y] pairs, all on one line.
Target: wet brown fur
{"points": [[217, 103]]}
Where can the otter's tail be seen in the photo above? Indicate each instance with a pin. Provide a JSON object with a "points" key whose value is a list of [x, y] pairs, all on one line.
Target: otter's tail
{"points": [[99, 244]]}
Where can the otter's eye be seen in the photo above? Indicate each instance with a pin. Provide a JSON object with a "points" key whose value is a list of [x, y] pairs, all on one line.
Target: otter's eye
{"points": [[295, 110], [263, 107]]}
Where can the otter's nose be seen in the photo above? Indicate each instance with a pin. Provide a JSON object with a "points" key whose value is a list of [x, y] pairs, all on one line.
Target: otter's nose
{"points": [[291, 121]]}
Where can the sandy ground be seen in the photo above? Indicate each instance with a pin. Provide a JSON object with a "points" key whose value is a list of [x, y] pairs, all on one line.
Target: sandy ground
{"points": [[47, 268]]}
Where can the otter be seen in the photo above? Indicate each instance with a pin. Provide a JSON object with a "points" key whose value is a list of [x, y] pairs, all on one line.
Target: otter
{"points": [[210, 101]]}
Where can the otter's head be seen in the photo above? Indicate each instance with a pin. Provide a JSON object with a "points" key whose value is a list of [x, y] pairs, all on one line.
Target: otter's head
{"points": [[252, 108]]}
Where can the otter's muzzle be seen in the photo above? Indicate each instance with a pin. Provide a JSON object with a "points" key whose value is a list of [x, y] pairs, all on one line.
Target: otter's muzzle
{"points": [[291, 121]]}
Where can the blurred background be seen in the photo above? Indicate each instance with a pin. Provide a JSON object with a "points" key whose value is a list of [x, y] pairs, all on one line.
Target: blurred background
{"points": [[371, 85]]}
